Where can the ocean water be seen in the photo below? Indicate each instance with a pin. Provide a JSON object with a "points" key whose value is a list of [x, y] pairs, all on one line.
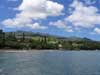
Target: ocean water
{"points": [[50, 63]]}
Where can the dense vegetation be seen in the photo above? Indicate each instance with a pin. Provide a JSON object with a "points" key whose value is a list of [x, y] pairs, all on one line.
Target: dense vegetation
{"points": [[28, 40]]}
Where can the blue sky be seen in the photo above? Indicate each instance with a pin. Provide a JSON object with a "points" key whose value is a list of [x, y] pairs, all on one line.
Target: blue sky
{"points": [[57, 17]]}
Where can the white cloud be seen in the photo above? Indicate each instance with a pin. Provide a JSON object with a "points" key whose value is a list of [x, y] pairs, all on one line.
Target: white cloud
{"points": [[83, 16], [97, 30], [62, 24], [32, 10], [90, 2], [20, 23], [59, 24], [17, 22], [9, 23], [40, 9], [37, 26]]}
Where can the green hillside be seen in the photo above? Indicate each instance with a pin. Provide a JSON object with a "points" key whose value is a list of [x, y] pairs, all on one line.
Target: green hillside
{"points": [[30, 40]]}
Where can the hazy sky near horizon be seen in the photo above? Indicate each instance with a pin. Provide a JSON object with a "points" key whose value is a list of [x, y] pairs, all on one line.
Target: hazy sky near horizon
{"points": [[57, 17]]}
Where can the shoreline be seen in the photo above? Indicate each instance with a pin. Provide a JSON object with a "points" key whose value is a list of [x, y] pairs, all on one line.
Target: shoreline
{"points": [[15, 50]]}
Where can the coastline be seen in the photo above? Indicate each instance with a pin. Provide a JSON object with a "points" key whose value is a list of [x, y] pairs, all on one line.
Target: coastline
{"points": [[15, 50]]}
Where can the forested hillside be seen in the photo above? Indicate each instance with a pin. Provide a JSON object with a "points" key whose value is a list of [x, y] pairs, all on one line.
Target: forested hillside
{"points": [[29, 40]]}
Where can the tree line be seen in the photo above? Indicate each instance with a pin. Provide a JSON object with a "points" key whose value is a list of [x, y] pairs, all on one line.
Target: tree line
{"points": [[11, 41]]}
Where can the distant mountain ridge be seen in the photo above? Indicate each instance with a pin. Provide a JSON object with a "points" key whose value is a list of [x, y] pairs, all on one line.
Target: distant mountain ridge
{"points": [[31, 34]]}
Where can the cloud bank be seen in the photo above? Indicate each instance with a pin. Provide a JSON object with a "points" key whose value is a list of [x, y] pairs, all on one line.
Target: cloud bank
{"points": [[33, 10], [82, 16]]}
